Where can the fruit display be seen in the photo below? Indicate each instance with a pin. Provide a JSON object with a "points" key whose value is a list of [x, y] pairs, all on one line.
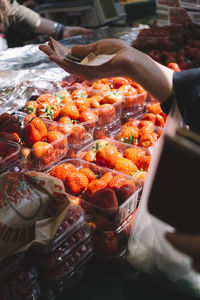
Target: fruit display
{"points": [[102, 193], [9, 154], [175, 43], [65, 255], [42, 142], [108, 198], [121, 157]]}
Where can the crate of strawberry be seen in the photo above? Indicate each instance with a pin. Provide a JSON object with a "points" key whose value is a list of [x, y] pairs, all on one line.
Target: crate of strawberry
{"points": [[121, 157], [108, 198], [42, 142], [103, 193], [113, 90]]}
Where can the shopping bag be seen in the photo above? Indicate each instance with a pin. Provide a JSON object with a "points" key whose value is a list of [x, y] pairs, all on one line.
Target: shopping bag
{"points": [[149, 255]]}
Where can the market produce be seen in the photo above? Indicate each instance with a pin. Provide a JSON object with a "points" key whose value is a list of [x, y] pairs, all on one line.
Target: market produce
{"points": [[175, 43], [130, 160]]}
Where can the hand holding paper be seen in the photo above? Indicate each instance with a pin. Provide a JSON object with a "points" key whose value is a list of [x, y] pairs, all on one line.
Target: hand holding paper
{"points": [[104, 58]]}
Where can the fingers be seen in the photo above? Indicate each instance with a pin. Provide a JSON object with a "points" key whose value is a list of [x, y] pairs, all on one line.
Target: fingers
{"points": [[189, 244], [83, 50], [46, 49]]}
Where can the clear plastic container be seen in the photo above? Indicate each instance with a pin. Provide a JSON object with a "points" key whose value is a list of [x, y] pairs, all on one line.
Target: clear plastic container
{"points": [[9, 154], [73, 221], [94, 213], [61, 253], [106, 131], [133, 105], [57, 152], [109, 244], [77, 256]]}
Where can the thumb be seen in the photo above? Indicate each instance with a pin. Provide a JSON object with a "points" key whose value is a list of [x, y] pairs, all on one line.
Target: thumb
{"points": [[189, 244], [83, 50]]}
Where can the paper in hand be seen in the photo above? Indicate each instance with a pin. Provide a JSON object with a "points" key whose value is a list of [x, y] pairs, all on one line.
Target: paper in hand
{"points": [[90, 60], [59, 49]]}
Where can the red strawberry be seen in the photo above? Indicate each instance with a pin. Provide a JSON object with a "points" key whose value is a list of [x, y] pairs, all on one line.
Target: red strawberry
{"points": [[105, 199], [34, 131], [61, 171], [44, 154]]}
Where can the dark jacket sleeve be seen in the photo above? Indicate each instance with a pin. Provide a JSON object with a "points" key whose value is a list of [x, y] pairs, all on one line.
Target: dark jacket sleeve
{"points": [[187, 93]]}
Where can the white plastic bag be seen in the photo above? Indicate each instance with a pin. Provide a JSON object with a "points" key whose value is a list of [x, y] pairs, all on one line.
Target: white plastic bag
{"points": [[149, 254]]}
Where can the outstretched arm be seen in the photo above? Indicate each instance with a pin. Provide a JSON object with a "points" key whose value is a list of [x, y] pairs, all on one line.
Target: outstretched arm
{"points": [[154, 77]]}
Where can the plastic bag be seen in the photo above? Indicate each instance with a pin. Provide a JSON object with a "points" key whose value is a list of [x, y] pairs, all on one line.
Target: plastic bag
{"points": [[149, 255]]}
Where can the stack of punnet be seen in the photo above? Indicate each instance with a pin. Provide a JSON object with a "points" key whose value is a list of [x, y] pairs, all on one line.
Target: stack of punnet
{"points": [[62, 262], [108, 198], [48, 233]]}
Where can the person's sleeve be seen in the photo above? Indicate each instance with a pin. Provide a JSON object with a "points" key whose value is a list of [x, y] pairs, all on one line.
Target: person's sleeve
{"points": [[187, 94], [24, 18]]}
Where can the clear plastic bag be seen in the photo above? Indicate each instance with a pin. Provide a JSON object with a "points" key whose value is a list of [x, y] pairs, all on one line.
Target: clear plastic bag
{"points": [[149, 255]]}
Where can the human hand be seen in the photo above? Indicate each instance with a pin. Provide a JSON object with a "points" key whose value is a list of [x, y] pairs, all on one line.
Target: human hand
{"points": [[70, 31], [188, 244], [119, 65]]}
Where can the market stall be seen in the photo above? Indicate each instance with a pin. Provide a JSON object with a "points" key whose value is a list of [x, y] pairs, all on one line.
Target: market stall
{"points": [[88, 146]]}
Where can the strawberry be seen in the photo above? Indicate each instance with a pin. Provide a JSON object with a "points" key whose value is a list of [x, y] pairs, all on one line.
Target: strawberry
{"points": [[82, 104], [119, 81], [88, 173], [34, 131], [154, 108], [9, 123], [61, 171], [134, 154], [148, 139], [149, 117], [98, 87], [105, 199], [146, 129], [76, 182], [88, 156], [143, 162], [58, 141], [70, 110], [87, 116], [127, 132], [140, 175], [44, 154], [159, 121], [65, 121], [105, 244], [79, 93], [107, 156], [106, 114], [93, 186], [126, 166], [47, 98], [64, 96], [112, 97], [174, 66], [106, 177], [28, 118], [48, 111], [31, 107], [77, 134], [95, 101], [13, 137], [128, 91], [122, 187]]}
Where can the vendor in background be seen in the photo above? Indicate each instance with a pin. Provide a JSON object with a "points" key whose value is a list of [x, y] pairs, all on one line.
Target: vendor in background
{"points": [[160, 81], [22, 24]]}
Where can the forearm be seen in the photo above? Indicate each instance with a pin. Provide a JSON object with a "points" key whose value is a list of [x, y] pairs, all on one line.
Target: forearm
{"points": [[44, 26], [154, 77]]}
